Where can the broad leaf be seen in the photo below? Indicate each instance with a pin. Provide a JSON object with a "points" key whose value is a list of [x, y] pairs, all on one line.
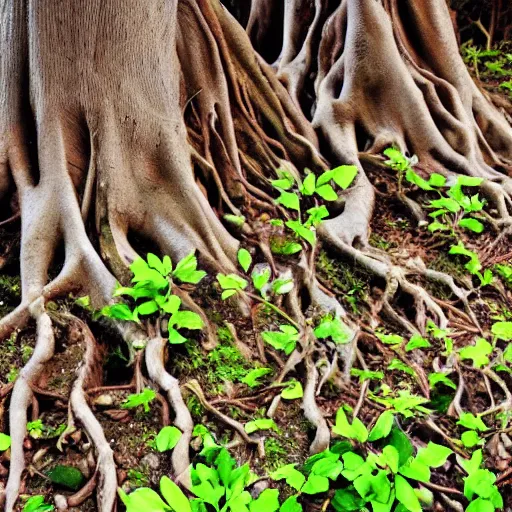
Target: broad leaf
{"points": [[167, 438], [174, 496]]}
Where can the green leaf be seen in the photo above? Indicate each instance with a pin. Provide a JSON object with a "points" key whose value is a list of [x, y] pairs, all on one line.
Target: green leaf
{"points": [[245, 259], [330, 468], [343, 428], [472, 224], [470, 439], [118, 312], [437, 180], [175, 338], [390, 457], [291, 505], [434, 455], [231, 282], [382, 427], [5, 442], [260, 279], [396, 159], [446, 203], [389, 339], [285, 183], [417, 180], [293, 391], [67, 476], [327, 192], [285, 340], [344, 175], [226, 294], [252, 378], [167, 438], [502, 330], [398, 365], [469, 181], [440, 378], [260, 424], [267, 501], [405, 494], [345, 500], [302, 231], [155, 262], [282, 286], [417, 341], [147, 308], [402, 444], [366, 374], [480, 505], [173, 495], [315, 484], [144, 398], [437, 226], [186, 270], [479, 352], [237, 220], [186, 320], [142, 499], [472, 422], [294, 478], [172, 305], [289, 200], [473, 265], [37, 504], [415, 470], [333, 328], [308, 185], [316, 215]]}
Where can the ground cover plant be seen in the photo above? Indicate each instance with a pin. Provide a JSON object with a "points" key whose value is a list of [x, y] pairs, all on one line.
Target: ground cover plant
{"points": [[254, 256]]}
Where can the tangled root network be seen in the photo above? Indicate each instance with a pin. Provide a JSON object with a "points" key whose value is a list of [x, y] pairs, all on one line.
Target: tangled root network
{"points": [[122, 121]]}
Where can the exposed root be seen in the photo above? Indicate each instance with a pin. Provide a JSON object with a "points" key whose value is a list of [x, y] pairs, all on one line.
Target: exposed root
{"points": [[155, 357], [194, 386], [22, 397], [106, 468], [313, 412]]}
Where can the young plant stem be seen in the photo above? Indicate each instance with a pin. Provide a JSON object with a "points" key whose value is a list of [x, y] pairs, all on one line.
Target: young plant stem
{"points": [[273, 307]]}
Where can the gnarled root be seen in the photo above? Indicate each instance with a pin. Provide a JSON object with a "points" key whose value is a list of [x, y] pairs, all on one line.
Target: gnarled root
{"points": [[22, 397], [106, 468], [155, 357]]}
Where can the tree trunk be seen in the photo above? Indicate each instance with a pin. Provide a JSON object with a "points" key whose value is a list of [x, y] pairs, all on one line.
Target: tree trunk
{"points": [[157, 118]]}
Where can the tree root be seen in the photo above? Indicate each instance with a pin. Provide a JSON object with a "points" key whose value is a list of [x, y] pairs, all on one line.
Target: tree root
{"points": [[155, 351], [106, 468], [22, 397]]}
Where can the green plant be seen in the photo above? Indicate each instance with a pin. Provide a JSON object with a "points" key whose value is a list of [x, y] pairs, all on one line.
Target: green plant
{"points": [[37, 504], [167, 438], [381, 476], [218, 485], [473, 265], [480, 485], [143, 398], [152, 294], [5, 442], [35, 429], [293, 194], [474, 425]]}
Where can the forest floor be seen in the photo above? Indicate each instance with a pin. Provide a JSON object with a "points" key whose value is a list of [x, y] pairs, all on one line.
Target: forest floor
{"points": [[219, 371]]}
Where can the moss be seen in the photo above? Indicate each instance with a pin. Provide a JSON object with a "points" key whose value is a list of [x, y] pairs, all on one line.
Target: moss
{"points": [[344, 279], [10, 293], [223, 364]]}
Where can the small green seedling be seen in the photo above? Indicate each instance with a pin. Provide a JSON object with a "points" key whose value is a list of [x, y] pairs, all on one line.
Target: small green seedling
{"points": [[37, 504], [152, 294], [144, 398], [35, 429], [5, 442]]}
